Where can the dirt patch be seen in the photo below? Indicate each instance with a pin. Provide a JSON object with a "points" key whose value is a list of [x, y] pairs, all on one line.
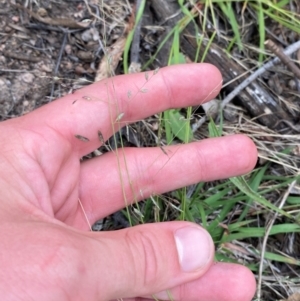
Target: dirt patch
{"points": [[49, 50]]}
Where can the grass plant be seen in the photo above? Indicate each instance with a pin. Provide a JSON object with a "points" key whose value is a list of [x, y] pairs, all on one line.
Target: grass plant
{"points": [[255, 219], [237, 211]]}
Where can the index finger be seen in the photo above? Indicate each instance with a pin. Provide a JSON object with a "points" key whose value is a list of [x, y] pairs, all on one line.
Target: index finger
{"points": [[102, 108]]}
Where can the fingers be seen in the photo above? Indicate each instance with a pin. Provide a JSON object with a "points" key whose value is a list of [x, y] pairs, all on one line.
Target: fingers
{"points": [[107, 183], [99, 110], [139, 261], [222, 282], [146, 259]]}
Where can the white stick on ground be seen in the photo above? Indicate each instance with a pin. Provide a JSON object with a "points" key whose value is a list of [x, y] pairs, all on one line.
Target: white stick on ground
{"points": [[288, 51]]}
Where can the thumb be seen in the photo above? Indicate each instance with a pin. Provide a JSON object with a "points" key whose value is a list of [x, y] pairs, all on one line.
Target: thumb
{"points": [[147, 259]]}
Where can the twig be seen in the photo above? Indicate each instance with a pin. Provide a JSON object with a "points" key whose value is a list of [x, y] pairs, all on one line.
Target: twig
{"points": [[283, 57], [294, 127], [268, 230], [97, 15], [22, 57], [65, 22], [15, 70], [135, 46], [288, 51], [199, 123], [63, 44]]}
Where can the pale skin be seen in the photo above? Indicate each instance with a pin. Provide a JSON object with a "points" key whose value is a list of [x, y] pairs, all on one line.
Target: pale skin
{"points": [[47, 250]]}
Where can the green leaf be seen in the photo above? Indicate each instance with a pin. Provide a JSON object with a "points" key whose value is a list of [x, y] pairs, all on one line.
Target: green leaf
{"points": [[251, 232], [281, 258], [229, 12], [129, 39], [293, 200], [179, 126], [212, 129], [262, 32], [178, 59], [243, 186]]}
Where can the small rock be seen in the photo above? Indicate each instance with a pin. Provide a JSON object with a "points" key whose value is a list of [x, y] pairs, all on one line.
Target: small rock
{"points": [[68, 49], [68, 66], [292, 84], [42, 12], [79, 70], [7, 29], [2, 59], [15, 19], [27, 78], [86, 56], [91, 34]]}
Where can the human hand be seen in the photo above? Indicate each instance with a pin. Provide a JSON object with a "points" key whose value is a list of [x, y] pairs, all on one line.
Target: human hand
{"points": [[47, 252]]}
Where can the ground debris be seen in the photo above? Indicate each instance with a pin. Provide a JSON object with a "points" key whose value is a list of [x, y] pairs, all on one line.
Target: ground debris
{"points": [[293, 297], [64, 22]]}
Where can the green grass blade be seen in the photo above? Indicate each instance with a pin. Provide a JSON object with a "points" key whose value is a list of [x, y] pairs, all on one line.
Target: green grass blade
{"points": [[262, 32], [251, 232], [130, 36], [256, 180], [228, 11], [281, 258], [243, 186]]}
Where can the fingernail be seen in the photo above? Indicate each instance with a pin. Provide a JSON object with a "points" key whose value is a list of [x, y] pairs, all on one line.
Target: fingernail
{"points": [[194, 247]]}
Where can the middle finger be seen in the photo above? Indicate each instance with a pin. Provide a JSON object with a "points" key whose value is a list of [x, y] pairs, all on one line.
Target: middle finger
{"points": [[112, 181]]}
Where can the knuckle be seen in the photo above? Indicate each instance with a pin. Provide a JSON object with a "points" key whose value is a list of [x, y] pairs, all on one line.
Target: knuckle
{"points": [[145, 254]]}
